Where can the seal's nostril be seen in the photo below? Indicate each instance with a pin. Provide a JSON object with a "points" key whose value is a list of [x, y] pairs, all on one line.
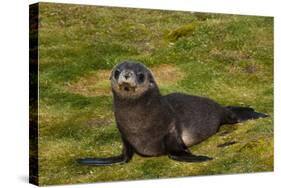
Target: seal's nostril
{"points": [[126, 76]]}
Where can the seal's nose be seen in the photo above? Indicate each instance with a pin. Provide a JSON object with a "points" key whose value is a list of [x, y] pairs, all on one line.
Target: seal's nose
{"points": [[127, 75]]}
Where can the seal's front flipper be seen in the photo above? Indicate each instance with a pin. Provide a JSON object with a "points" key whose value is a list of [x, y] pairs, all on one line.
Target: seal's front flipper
{"points": [[125, 157], [103, 161], [184, 156], [178, 151]]}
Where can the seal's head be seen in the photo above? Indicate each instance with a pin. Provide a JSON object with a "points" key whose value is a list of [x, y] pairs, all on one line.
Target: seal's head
{"points": [[131, 79]]}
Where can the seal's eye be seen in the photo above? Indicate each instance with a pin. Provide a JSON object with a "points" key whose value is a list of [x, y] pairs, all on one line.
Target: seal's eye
{"points": [[141, 77], [116, 74]]}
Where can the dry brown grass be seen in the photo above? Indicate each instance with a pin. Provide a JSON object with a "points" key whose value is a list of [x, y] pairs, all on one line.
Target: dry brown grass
{"points": [[94, 84], [98, 84], [166, 74]]}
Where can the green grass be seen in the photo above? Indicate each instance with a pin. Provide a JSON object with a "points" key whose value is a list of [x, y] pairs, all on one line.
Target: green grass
{"points": [[225, 57]]}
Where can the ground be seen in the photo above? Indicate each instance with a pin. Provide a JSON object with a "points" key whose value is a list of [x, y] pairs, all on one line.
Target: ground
{"points": [[228, 58]]}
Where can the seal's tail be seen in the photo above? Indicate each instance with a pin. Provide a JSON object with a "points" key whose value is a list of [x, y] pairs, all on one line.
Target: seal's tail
{"points": [[245, 113]]}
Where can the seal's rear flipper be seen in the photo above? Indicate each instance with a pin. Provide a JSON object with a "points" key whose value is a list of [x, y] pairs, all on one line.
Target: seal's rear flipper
{"points": [[188, 157], [245, 113]]}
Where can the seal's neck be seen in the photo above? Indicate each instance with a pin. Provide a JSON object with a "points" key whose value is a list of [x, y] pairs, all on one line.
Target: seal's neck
{"points": [[151, 97]]}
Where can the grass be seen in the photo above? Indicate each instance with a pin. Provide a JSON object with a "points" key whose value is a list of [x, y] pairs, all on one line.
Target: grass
{"points": [[228, 58]]}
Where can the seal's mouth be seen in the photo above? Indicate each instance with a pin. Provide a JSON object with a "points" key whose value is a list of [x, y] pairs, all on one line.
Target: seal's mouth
{"points": [[127, 87]]}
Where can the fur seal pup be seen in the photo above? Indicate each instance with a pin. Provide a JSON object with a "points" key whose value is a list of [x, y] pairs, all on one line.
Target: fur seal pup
{"points": [[153, 125]]}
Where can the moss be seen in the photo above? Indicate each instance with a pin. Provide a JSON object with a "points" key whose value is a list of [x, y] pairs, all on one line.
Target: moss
{"points": [[183, 31]]}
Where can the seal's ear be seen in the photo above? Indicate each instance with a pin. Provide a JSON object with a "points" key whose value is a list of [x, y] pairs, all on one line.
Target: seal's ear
{"points": [[151, 80]]}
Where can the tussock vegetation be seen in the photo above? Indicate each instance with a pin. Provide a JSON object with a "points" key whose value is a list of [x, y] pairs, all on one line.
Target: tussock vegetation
{"points": [[225, 57]]}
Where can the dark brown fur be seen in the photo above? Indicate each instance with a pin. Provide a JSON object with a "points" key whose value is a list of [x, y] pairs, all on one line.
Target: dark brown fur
{"points": [[152, 125]]}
